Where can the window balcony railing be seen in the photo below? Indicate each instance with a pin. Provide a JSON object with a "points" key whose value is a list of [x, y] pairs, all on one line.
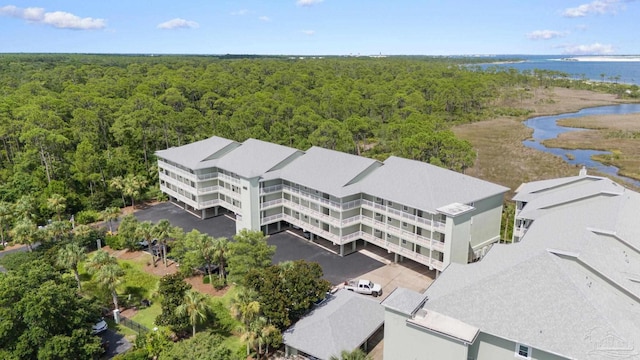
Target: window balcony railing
{"points": [[271, 203], [312, 213], [402, 215], [270, 189], [176, 170], [228, 178], [208, 190], [207, 176]]}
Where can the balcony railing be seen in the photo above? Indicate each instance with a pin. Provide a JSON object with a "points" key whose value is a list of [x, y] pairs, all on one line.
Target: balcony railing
{"points": [[312, 228], [321, 200], [268, 204], [228, 179], [402, 215], [311, 212], [207, 176], [176, 170], [270, 219], [179, 196], [208, 190], [270, 189], [407, 253]]}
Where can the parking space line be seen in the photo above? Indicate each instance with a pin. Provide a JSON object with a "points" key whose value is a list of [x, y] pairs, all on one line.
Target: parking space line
{"points": [[311, 242]]}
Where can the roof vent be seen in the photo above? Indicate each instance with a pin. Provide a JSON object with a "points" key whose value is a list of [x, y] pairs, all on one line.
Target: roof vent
{"points": [[583, 171]]}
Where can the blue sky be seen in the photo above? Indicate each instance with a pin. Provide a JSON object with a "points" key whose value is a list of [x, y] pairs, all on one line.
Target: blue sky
{"points": [[322, 27]]}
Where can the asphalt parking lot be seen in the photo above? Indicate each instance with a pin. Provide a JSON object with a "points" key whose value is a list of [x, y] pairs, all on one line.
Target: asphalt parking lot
{"points": [[288, 246], [118, 344], [220, 226]]}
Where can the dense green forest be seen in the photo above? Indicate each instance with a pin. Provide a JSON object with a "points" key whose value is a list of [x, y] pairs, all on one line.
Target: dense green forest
{"points": [[86, 126]]}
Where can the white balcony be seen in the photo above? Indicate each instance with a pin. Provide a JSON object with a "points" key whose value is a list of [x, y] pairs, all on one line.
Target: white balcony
{"points": [[208, 190], [312, 213], [270, 189], [228, 179], [208, 176], [271, 203], [176, 170], [407, 253], [403, 216], [312, 228], [271, 219], [179, 196]]}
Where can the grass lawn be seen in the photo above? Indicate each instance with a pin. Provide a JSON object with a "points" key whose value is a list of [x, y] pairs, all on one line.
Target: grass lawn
{"points": [[147, 316], [137, 282]]}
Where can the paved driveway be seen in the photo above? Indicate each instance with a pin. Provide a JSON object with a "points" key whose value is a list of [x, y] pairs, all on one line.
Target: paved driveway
{"points": [[288, 246], [336, 269], [220, 226], [118, 344]]}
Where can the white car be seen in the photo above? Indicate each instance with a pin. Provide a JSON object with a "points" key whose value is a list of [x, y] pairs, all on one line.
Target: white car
{"points": [[99, 327]]}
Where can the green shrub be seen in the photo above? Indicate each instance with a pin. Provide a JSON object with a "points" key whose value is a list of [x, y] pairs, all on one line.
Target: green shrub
{"points": [[114, 241], [87, 217], [219, 283]]}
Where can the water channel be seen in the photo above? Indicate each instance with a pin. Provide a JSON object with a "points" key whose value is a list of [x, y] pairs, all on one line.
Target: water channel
{"points": [[546, 127]]}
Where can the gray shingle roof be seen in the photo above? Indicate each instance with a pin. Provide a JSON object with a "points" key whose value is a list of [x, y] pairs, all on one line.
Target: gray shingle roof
{"points": [[192, 154], [326, 170], [255, 157], [424, 186], [343, 322], [570, 286], [403, 300]]}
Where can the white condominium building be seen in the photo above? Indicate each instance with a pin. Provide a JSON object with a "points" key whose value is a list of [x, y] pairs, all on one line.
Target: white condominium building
{"points": [[417, 211]]}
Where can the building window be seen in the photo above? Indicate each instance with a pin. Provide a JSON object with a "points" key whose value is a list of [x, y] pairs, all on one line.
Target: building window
{"points": [[523, 351], [405, 208], [404, 224], [404, 242]]}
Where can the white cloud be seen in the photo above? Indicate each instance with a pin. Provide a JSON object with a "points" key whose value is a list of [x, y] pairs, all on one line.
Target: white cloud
{"points": [[57, 19], [240, 12], [591, 49], [309, 32], [594, 7], [264, 18], [178, 23], [545, 34], [308, 2]]}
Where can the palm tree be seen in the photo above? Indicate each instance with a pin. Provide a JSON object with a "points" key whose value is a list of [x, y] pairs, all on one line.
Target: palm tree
{"points": [[267, 334], [100, 259], [6, 217], [110, 215], [132, 186], [25, 232], [69, 257], [245, 308], [203, 244], [82, 231], [58, 228], [220, 253], [110, 276], [57, 203], [25, 207], [195, 306], [356, 354], [163, 231], [118, 184], [145, 231]]}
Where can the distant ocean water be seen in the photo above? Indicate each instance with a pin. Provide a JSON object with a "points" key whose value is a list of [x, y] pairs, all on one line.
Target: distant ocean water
{"points": [[623, 69]]}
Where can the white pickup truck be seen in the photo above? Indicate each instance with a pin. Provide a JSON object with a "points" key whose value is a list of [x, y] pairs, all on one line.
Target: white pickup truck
{"points": [[363, 287]]}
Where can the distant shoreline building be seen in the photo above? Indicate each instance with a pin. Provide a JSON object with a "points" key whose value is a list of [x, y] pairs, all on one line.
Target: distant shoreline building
{"points": [[569, 288], [418, 211]]}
